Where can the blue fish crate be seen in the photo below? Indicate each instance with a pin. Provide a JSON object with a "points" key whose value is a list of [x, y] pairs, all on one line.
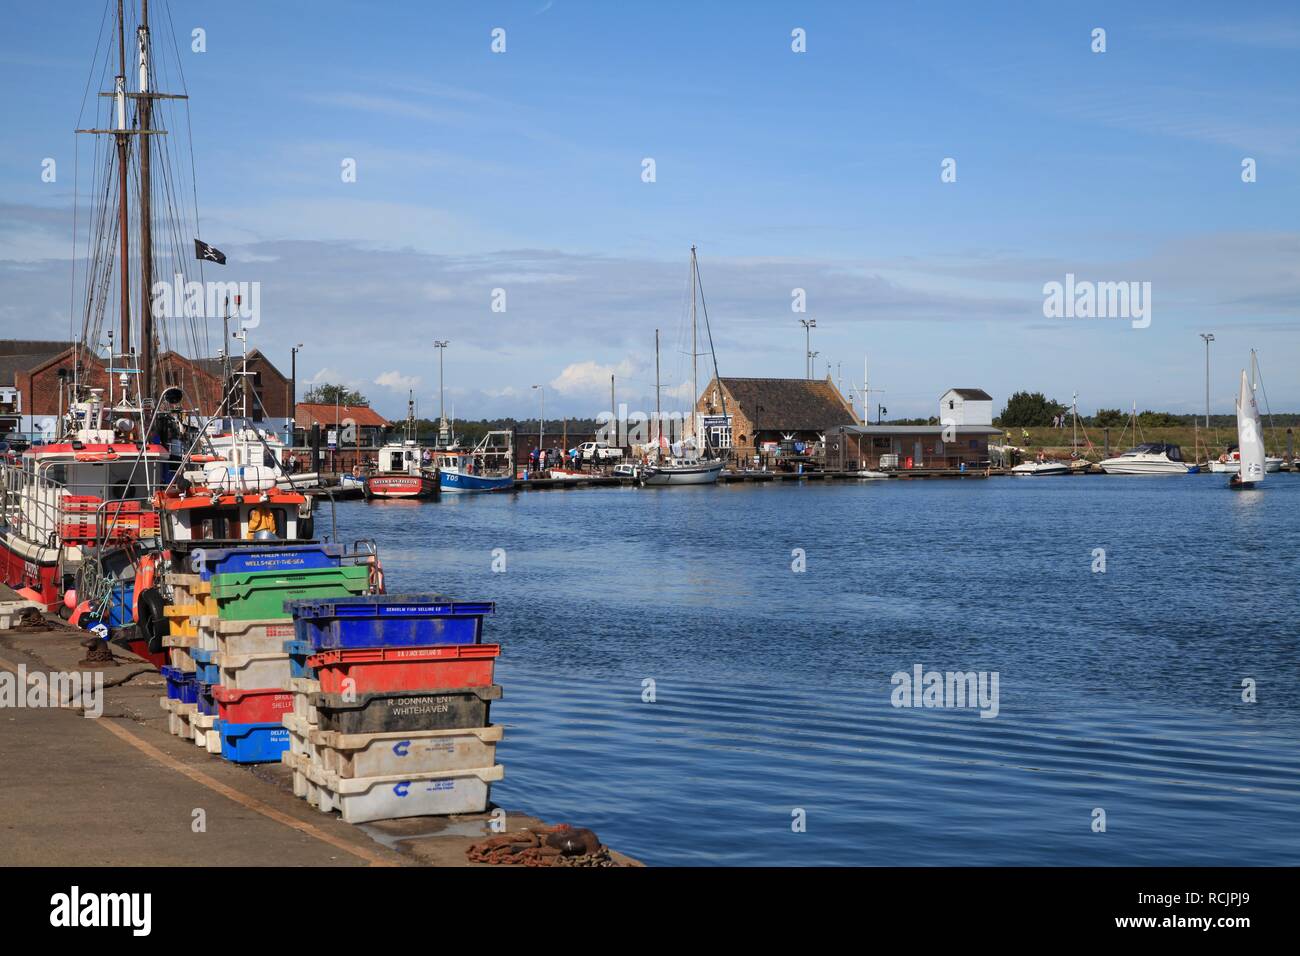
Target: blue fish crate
{"points": [[209, 561], [298, 652], [388, 620], [207, 704], [254, 743], [169, 678], [206, 670], [181, 686]]}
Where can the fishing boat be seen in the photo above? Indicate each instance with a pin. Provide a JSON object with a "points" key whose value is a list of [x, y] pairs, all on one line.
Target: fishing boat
{"points": [[401, 471], [72, 501], [692, 461], [401, 474], [1250, 439], [488, 466]]}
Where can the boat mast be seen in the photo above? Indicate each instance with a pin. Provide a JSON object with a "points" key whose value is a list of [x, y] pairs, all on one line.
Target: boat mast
{"points": [[1074, 407], [145, 114], [123, 219], [695, 383], [659, 419]]}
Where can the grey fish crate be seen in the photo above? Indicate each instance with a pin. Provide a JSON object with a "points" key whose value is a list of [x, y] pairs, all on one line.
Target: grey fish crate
{"points": [[381, 712]]}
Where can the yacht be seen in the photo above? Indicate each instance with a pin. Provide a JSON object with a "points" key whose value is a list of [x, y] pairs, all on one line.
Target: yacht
{"points": [[1149, 458]]}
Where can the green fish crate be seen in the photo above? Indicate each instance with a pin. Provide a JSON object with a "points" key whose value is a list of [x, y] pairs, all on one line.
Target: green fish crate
{"points": [[258, 595]]}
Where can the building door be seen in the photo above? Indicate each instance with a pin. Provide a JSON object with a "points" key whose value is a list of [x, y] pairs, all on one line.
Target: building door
{"points": [[917, 457]]}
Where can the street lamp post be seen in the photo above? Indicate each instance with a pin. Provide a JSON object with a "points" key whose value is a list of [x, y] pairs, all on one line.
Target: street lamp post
{"points": [[1208, 337], [541, 419], [443, 437], [293, 388], [808, 326]]}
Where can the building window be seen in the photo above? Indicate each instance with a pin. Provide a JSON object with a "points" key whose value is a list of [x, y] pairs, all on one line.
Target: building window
{"points": [[720, 436], [951, 404]]}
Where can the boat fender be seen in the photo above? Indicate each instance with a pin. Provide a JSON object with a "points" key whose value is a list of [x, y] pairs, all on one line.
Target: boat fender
{"points": [[152, 622], [78, 611], [144, 575]]}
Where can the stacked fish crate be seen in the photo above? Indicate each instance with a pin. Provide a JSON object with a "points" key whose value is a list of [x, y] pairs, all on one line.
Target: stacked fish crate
{"points": [[391, 713], [183, 700], [241, 631]]}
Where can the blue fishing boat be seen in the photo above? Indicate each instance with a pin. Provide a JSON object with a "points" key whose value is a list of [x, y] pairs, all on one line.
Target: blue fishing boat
{"points": [[489, 466]]}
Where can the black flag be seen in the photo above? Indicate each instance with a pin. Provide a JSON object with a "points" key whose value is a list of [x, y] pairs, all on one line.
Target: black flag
{"points": [[211, 253]]}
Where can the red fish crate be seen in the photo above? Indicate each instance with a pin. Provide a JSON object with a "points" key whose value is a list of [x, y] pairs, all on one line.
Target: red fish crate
{"points": [[375, 669], [257, 706]]}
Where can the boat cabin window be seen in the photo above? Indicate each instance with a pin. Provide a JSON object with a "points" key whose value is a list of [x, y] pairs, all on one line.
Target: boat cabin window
{"points": [[115, 479], [221, 525]]}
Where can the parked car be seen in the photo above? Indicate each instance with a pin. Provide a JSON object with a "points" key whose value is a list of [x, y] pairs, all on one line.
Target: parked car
{"points": [[599, 451]]}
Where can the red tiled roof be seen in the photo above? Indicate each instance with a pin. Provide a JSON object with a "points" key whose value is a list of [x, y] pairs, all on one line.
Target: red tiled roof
{"points": [[308, 414]]}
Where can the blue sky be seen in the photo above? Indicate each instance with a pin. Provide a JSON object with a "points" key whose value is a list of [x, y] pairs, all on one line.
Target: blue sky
{"points": [[819, 170]]}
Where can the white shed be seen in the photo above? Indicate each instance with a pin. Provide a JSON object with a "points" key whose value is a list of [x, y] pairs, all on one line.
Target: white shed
{"points": [[966, 406]]}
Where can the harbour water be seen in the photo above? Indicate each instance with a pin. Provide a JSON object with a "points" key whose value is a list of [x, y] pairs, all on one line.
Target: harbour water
{"points": [[1119, 690]]}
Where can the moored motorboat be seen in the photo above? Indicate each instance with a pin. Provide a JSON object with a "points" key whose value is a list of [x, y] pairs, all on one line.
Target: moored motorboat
{"points": [[1148, 458], [1042, 468]]}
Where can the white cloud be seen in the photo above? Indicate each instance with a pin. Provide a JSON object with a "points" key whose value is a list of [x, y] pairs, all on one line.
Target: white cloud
{"points": [[397, 381], [588, 378]]}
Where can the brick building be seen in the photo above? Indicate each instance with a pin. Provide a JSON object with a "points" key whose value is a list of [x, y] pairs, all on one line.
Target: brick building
{"points": [[269, 397], [40, 372], [765, 413]]}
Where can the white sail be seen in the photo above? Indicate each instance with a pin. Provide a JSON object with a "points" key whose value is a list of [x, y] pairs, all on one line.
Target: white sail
{"points": [[1250, 436]]}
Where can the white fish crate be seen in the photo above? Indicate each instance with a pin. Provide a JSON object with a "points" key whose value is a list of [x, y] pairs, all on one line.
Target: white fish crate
{"points": [[178, 721], [412, 752], [300, 738], [302, 689], [362, 799], [200, 726], [254, 671], [264, 636], [181, 659], [298, 763]]}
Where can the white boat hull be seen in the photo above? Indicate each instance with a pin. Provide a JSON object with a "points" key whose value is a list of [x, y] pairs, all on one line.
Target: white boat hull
{"points": [[1035, 469], [704, 473], [871, 475], [1143, 465]]}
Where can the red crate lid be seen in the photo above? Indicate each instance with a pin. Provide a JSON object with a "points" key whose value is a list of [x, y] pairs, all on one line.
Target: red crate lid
{"points": [[230, 695], [404, 655]]}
